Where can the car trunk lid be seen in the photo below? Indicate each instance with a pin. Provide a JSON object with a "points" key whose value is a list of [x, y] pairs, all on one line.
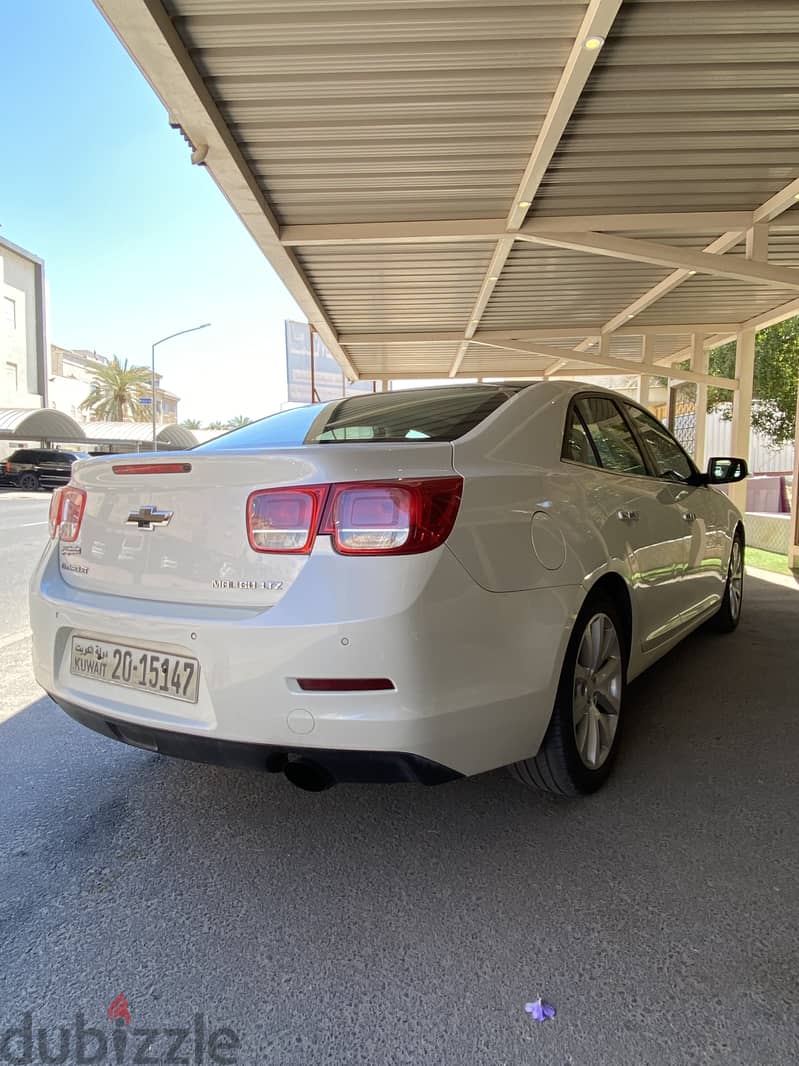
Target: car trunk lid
{"points": [[173, 528]]}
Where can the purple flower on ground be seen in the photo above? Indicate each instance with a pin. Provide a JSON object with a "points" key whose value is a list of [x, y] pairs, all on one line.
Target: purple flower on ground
{"points": [[540, 1010]]}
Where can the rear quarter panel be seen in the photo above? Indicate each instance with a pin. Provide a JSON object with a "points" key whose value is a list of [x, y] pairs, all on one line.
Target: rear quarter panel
{"points": [[527, 520]]}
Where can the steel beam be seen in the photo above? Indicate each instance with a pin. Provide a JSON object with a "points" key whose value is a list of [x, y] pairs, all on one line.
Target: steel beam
{"points": [[455, 336], [150, 37], [498, 260], [772, 207], [482, 229], [778, 203], [596, 24], [609, 364], [757, 242], [644, 380], [667, 255], [359, 233]]}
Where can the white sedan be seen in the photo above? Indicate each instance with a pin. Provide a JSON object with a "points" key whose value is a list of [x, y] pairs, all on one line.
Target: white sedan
{"points": [[407, 586]]}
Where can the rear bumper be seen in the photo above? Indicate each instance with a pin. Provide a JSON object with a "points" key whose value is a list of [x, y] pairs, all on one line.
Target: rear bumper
{"points": [[474, 672], [384, 767]]}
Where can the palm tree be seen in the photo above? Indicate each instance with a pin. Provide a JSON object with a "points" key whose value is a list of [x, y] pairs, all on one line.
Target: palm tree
{"points": [[191, 423], [215, 425], [238, 421], [115, 391]]}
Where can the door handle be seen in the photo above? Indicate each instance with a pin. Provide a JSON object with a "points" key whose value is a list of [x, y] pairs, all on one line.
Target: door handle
{"points": [[627, 516], [689, 516]]}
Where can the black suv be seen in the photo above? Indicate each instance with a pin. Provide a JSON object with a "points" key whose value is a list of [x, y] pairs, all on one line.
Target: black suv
{"points": [[33, 468]]}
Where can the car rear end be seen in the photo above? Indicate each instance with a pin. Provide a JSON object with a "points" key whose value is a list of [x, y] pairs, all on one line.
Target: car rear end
{"points": [[55, 468], [290, 608]]}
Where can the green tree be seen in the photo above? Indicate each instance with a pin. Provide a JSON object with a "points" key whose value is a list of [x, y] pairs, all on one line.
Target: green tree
{"points": [[115, 392], [775, 384], [238, 421], [191, 423], [215, 425]]}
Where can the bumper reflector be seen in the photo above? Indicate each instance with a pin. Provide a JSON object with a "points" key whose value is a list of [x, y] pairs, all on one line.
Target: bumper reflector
{"points": [[345, 684]]}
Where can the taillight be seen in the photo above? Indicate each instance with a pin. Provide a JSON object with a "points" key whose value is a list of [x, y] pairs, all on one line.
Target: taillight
{"points": [[392, 517], [362, 517], [8, 468], [72, 506], [284, 520], [54, 518]]}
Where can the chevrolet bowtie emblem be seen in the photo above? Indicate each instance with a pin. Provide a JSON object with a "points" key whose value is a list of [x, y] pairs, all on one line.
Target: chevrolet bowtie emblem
{"points": [[149, 517]]}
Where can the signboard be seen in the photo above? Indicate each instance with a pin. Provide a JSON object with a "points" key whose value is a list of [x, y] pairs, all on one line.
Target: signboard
{"points": [[329, 382], [145, 399]]}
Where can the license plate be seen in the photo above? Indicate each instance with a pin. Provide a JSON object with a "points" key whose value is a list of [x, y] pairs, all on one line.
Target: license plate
{"points": [[175, 676]]}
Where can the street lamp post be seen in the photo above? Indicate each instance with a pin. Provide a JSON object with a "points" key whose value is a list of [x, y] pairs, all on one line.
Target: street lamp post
{"points": [[180, 333]]}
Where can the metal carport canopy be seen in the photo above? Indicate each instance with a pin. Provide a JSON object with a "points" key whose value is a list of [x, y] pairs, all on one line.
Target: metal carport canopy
{"points": [[511, 189], [38, 423], [521, 188], [169, 435]]}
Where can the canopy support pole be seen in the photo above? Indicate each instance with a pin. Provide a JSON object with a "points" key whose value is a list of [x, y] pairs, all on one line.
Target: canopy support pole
{"points": [[700, 360], [742, 408], [793, 542]]}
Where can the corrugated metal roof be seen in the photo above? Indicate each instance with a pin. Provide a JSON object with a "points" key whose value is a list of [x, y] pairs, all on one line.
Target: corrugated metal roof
{"points": [[313, 92], [412, 361], [542, 287], [355, 113], [139, 433], [383, 288], [679, 82], [42, 423], [712, 300]]}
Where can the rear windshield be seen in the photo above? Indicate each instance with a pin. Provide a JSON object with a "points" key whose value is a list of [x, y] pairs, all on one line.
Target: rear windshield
{"points": [[411, 416]]}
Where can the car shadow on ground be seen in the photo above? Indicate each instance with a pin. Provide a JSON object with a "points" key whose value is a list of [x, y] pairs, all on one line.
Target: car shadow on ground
{"points": [[410, 924]]}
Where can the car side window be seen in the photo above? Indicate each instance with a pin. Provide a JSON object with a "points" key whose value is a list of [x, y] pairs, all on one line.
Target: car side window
{"points": [[614, 442], [576, 445], [667, 455]]}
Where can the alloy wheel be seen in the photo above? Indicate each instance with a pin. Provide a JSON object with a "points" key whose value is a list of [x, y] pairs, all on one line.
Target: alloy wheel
{"points": [[596, 696], [736, 579]]}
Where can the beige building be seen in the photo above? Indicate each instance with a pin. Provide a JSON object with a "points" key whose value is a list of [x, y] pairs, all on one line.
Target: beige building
{"points": [[23, 342], [42, 388], [72, 371]]}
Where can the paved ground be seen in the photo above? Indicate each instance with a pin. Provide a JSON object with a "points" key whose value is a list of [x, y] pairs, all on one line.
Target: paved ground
{"points": [[409, 925], [23, 533]]}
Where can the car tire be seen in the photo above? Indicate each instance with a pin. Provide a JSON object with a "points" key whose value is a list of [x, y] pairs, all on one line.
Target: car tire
{"points": [[28, 482], [586, 719], [728, 615]]}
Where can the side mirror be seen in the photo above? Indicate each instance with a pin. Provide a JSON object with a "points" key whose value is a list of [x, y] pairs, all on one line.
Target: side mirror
{"points": [[722, 470]]}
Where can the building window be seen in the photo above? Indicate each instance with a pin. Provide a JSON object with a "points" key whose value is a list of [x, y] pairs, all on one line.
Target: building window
{"points": [[12, 378], [10, 312]]}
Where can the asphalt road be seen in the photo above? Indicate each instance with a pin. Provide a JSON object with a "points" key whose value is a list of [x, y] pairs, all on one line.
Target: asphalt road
{"points": [[23, 534], [388, 925]]}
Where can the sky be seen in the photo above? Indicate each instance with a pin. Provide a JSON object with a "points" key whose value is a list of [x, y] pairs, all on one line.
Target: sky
{"points": [[137, 242]]}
